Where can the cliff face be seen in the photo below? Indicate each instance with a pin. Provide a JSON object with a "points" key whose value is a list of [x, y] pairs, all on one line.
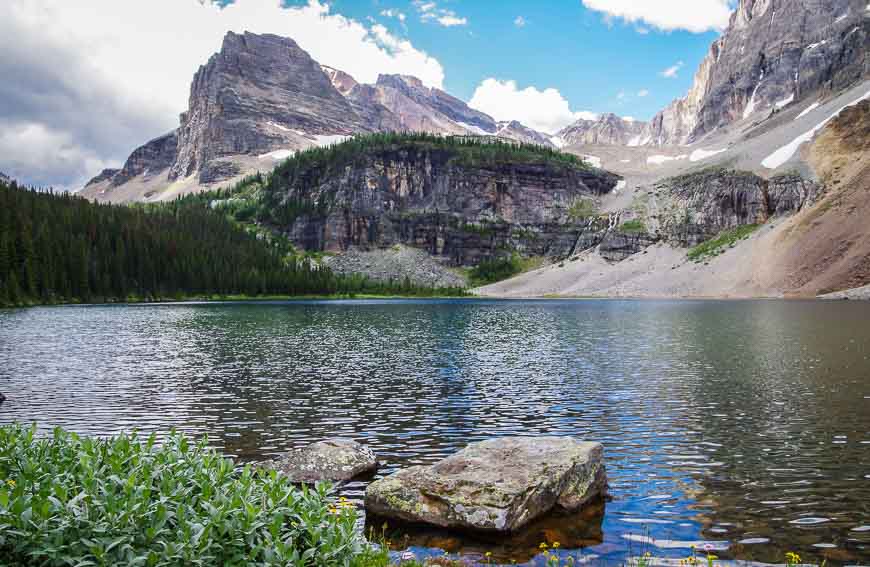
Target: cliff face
{"points": [[702, 205], [438, 201], [773, 52]]}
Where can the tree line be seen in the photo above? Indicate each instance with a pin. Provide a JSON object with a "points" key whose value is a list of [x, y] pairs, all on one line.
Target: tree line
{"points": [[57, 248]]}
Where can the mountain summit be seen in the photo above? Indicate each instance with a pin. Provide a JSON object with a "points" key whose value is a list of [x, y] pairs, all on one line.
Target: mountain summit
{"points": [[261, 99]]}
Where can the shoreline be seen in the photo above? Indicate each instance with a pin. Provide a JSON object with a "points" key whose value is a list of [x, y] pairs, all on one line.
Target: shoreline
{"points": [[198, 300]]}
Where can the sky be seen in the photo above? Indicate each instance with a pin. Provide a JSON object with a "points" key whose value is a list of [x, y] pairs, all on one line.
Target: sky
{"points": [[84, 82]]}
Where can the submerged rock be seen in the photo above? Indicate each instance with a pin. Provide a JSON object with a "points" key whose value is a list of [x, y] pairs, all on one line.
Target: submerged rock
{"points": [[331, 459], [497, 485], [2, 398]]}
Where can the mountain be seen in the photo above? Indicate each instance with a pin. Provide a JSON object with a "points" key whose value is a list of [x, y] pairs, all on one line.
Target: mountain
{"points": [[773, 53], [513, 130], [608, 129], [262, 98]]}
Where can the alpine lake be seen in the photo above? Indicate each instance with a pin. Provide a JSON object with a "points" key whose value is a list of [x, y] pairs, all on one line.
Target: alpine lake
{"points": [[739, 427]]}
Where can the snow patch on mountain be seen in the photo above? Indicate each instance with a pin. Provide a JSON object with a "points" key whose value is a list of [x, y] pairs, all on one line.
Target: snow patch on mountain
{"points": [[698, 155], [785, 153]]}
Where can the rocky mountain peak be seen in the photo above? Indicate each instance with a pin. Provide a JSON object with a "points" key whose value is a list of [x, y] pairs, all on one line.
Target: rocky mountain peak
{"points": [[258, 94], [773, 53]]}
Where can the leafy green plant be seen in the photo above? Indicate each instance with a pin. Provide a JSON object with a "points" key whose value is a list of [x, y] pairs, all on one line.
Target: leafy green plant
{"points": [[720, 243], [69, 500], [633, 226]]}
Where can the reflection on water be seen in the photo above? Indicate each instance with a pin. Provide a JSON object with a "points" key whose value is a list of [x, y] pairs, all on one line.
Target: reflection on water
{"points": [[743, 424]]}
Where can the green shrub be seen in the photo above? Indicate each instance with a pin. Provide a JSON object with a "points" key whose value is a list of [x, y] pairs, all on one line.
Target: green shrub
{"points": [[725, 239], [498, 269], [68, 500], [633, 226]]}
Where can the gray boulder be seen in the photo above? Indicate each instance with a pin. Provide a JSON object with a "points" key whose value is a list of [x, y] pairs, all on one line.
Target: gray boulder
{"points": [[331, 459], [499, 485]]}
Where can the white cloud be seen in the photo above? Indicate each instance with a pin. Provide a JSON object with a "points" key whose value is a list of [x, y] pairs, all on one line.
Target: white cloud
{"points": [[520, 22], [620, 95], [672, 71], [545, 111], [100, 78], [393, 14], [642, 93], [668, 15], [431, 12]]}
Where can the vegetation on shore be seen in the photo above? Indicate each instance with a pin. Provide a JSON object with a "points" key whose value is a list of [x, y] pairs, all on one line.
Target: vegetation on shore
{"points": [[498, 269], [726, 239], [60, 248], [68, 500]]}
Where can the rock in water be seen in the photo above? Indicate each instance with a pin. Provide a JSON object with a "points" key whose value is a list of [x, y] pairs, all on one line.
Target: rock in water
{"points": [[497, 485], [331, 459], [2, 398]]}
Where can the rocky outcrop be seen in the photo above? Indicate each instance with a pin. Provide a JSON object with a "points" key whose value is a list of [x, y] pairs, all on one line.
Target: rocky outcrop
{"points": [[774, 52], [618, 245], [439, 199], [500, 485], [608, 129], [151, 159], [330, 460], [706, 203]]}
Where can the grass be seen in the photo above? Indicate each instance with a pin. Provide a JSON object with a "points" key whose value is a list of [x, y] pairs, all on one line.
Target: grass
{"points": [[718, 245], [633, 226], [67, 500]]}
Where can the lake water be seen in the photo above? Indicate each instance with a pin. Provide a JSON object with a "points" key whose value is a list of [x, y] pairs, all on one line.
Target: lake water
{"points": [[741, 425]]}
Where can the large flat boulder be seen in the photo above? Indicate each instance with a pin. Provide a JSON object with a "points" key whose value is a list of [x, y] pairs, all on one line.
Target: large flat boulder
{"points": [[499, 485], [331, 459]]}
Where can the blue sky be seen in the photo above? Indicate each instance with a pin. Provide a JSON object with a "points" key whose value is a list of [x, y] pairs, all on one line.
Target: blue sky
{"points": [[86, 82], [560, 44]]}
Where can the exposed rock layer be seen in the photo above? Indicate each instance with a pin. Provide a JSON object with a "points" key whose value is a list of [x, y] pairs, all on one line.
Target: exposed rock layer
{"points": [[435, 200], [706, 203]]}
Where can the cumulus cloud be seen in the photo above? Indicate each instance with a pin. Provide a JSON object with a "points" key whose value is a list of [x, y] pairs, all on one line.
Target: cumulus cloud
{"points": [[85, 83], [431, 12], [520, 22], [668, 15], [642, 93], [545, 111], [673, 71]]}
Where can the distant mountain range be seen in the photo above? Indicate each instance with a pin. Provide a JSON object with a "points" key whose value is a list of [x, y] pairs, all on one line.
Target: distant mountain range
{"points": [[261, 98]]}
